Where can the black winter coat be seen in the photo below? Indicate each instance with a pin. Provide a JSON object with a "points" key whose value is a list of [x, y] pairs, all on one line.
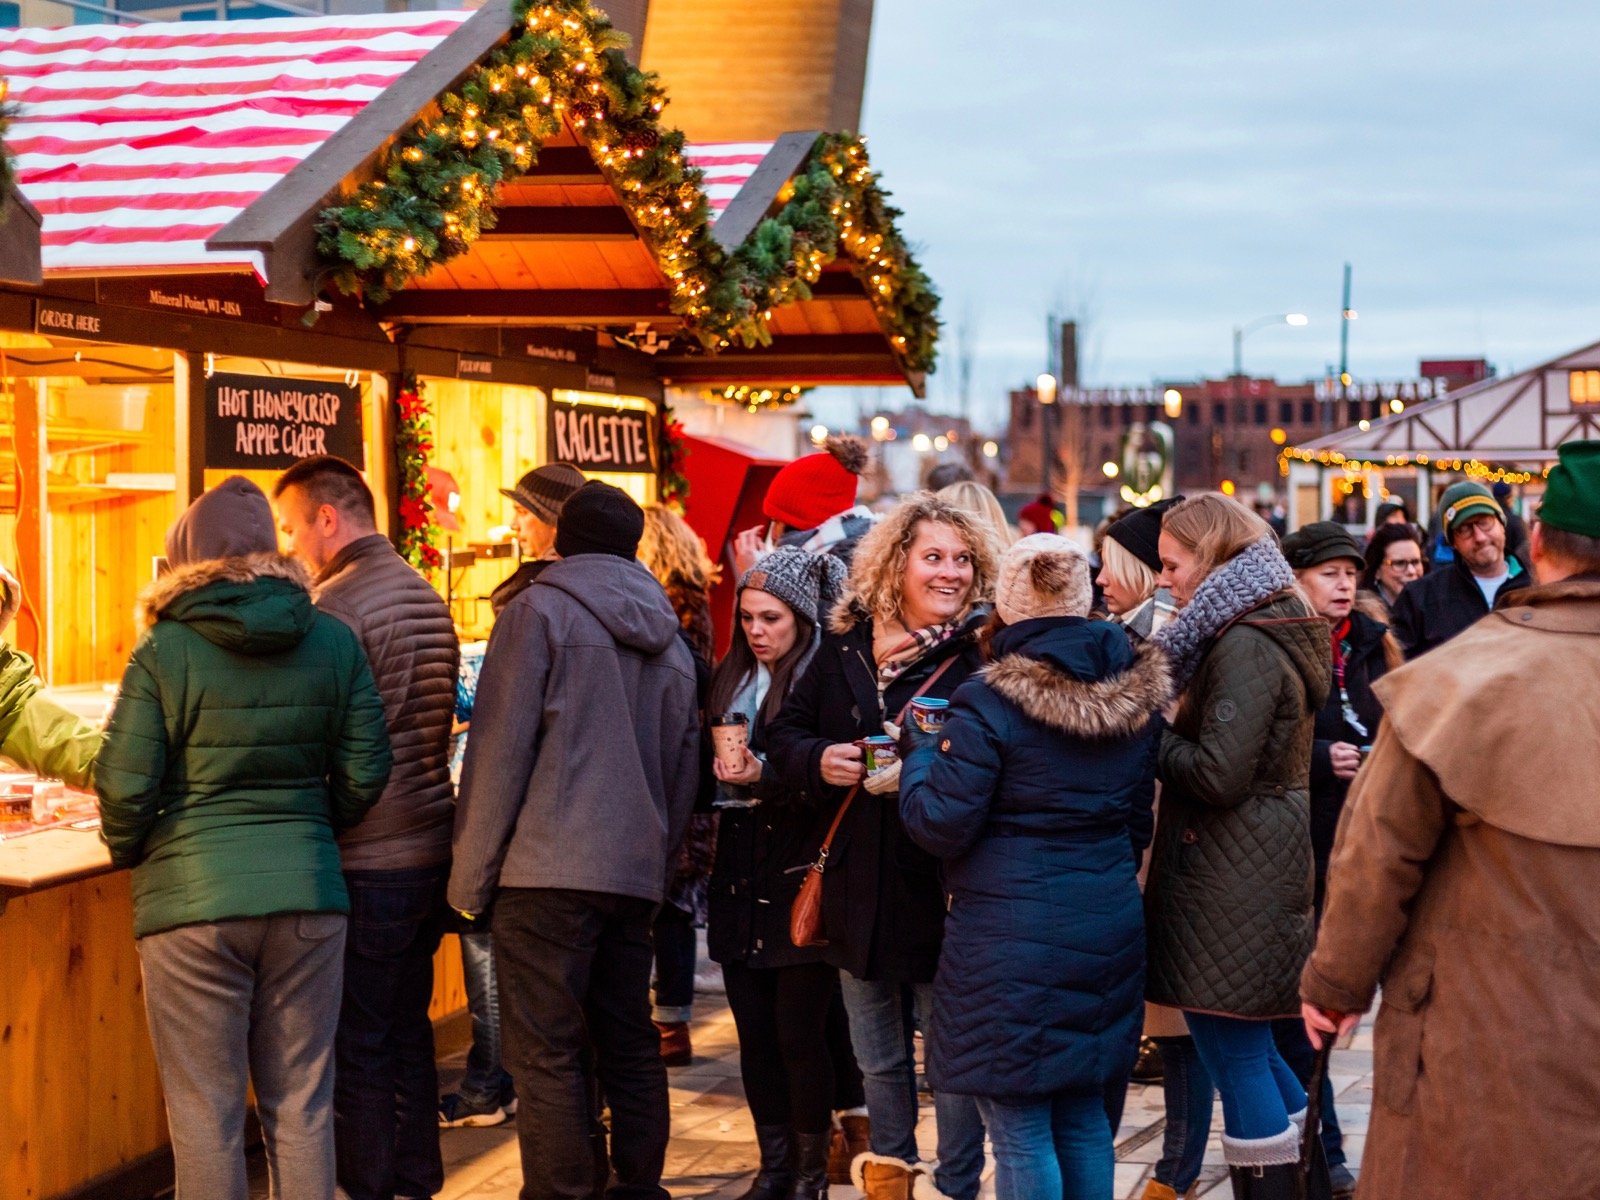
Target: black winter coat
{"points": [[1364, 665], [762, 854], [1432, 610], [1037, 796], [882, 900]]}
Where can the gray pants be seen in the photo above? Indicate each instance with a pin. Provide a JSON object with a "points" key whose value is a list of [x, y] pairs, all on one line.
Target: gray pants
{"points": [[234, 1002]]}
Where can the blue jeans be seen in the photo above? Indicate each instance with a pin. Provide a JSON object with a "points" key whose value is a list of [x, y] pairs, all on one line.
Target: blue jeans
{"points": [[1259, 1091], [386, 1086], [487, 1081], [1188, 1094], [880, 1031], [1050, 1148]]}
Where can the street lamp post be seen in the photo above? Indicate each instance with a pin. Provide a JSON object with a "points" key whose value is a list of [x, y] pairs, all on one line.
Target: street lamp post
{"points": [[1239, 331], [1045, 389]]}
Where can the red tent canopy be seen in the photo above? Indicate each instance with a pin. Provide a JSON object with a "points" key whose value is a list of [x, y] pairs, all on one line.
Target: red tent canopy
{"points": [[727, 482]]}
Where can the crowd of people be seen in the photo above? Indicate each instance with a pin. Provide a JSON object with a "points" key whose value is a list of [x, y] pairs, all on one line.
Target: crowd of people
{"points": [[1042, 806]]}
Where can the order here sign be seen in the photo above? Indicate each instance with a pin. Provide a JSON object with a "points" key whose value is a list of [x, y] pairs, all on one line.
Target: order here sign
{"points": [[593, 437], [270, 422]]}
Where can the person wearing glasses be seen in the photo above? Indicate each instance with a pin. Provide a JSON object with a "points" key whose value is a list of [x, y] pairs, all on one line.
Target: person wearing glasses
{"points": [[1394, 558]]}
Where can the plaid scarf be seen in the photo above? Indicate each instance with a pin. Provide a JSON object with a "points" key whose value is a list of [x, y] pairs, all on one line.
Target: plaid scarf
{"points": [[918, 644]]}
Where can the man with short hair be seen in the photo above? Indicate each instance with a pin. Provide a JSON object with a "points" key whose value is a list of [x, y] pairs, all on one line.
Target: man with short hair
{"points": [[580, 776], [397, 861], [1464, 878], [1435, 608]]}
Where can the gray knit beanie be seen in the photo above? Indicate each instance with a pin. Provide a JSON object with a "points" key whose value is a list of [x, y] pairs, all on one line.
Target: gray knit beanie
{"points": [[808, 583], [231, 520]]}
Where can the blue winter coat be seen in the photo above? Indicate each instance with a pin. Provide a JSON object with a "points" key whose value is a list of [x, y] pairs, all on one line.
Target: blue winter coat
{"points": [[1037, 796]]}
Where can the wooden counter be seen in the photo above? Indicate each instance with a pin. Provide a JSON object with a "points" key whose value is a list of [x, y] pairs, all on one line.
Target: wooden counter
{"points": [[80, 1103]]}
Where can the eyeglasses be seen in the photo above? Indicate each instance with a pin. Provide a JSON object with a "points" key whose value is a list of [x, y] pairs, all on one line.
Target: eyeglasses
{"points": [[1403, 564]]}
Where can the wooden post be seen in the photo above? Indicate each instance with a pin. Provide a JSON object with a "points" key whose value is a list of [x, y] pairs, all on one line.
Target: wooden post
{"points": [[189, 397], [32, 566]]}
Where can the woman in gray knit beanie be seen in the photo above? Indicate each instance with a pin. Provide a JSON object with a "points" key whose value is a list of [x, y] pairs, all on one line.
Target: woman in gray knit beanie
{"points": [[795, 1075]]}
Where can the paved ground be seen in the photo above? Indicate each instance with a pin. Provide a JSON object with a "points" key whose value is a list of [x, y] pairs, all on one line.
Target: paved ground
{"points": [[713, 1146]]}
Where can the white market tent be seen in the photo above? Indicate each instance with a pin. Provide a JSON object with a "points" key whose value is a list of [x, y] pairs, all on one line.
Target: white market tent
{"points": [[1500, 429]]}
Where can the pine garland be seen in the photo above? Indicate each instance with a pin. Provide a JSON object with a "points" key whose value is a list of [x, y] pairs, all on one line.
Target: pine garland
{"points": [[434, 192], [674, 489], [413, 448]]}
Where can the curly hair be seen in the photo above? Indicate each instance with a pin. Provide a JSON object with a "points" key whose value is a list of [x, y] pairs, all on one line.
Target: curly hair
{"points": [[878, 570], [673, 552]]}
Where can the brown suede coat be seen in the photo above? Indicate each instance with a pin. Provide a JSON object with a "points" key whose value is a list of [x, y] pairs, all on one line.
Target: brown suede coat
{"points": [[1466, 880]]}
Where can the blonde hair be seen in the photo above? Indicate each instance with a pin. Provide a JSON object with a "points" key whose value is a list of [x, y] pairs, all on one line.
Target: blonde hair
{"points": [[978, 500], [1213, 527], [673, 552], [878, 569], [1127, 570]]}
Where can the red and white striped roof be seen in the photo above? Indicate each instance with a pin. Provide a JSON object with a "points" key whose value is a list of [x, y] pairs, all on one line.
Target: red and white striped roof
{"points": [[137, 143], [727, 166]]}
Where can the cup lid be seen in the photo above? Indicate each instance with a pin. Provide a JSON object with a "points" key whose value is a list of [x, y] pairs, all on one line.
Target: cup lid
{"points": [[730, 718]]}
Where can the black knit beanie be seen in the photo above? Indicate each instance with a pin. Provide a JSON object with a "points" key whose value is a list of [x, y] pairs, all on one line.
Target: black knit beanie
{"points": [[599, 519], [1139, 533]]}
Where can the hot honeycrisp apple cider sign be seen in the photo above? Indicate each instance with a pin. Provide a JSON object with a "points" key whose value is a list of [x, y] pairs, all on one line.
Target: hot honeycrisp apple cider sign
{"points": [[270, 422]]}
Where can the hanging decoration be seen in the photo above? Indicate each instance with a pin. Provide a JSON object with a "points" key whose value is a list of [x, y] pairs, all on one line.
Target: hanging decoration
{"points": [[413, 448], [434, 190], [674, 485], [753, 396], [1472, 468]]}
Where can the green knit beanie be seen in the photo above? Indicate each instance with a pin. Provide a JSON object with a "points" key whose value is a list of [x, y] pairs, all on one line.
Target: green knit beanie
{"points": [[1465, 500], [1572, 490]]}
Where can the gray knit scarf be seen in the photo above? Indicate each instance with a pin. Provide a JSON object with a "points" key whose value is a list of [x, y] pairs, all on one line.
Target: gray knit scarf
{"points": [[1233, 589]]}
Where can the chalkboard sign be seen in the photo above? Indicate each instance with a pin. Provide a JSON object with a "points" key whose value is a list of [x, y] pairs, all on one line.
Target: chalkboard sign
{"points": [[270, 422], [596, 437]]}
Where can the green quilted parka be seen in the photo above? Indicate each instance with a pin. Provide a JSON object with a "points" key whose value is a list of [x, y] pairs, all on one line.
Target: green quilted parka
{"points": [[1228, 903], [247, 733]]}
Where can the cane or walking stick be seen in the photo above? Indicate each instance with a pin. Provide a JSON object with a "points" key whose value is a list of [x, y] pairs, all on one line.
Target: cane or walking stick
{"points": [[1314, 1182]]}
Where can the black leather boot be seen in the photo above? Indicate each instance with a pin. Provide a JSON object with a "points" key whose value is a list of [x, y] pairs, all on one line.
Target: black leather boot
{"points": [[776, 1176], [1281, 1181], [811, 1166]]}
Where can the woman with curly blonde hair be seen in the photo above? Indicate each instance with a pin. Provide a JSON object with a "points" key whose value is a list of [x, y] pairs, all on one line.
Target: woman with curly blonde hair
{"points": [[906, 626]]}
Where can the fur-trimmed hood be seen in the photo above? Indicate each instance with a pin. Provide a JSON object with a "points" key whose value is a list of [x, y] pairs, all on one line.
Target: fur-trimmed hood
{"points": [[255, 604], [1118, 704]]}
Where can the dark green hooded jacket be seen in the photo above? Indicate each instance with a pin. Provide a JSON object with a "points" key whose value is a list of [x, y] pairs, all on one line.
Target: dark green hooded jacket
{"points": [[247, 734]]}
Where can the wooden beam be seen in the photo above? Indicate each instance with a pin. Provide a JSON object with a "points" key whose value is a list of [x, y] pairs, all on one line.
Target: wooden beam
{"points": [[817, 346], [513, 307], [281, 222], [19, 239], [759, 196], [590, 224], [564, 166]]}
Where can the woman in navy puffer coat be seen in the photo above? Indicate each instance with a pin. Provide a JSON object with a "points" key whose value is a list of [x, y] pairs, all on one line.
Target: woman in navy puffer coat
{"points": [[1037, 796]]}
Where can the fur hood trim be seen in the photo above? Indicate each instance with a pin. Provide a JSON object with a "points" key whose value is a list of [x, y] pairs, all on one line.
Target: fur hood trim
{"points": [[160, 595], [1118, 706]]}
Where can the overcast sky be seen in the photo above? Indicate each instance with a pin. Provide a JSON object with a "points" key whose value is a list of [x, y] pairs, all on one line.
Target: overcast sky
{"points": [[1168, 170]]}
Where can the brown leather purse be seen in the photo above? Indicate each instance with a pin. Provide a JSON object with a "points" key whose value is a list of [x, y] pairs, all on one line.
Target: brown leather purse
{"points": [[805, 915]]}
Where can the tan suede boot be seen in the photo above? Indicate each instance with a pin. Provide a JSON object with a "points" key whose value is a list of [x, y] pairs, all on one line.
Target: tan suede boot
{"points": [[880, 1177], [852, 1136], [1160, 1191]]}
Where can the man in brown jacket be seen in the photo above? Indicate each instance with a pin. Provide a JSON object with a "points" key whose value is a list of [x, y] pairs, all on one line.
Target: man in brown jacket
{"points": [[1466, 879], [397, 861]]}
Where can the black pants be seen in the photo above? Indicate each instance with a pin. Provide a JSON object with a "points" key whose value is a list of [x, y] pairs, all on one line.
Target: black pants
{"points": [[574, 975], [386, 1086], [675, 953], [849, 1089], [784, 1055]]}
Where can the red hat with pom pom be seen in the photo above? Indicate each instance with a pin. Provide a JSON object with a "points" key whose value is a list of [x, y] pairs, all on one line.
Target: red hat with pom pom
{"points": [[811, 489]]}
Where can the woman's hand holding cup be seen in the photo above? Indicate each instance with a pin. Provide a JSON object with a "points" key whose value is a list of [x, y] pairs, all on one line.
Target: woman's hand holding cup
{"points": [[746, 774], [842, 765]]}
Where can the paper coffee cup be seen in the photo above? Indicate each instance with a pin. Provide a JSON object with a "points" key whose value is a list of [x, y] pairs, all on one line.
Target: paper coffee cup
{"points": [[730, 734], [878, 753]]}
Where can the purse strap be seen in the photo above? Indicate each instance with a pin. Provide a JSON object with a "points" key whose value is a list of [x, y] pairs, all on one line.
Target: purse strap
{"points": [[822, 855]]}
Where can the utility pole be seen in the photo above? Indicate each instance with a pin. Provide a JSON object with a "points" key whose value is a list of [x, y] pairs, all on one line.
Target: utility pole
{"points": [[1047, 404], [1071, 421]]}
